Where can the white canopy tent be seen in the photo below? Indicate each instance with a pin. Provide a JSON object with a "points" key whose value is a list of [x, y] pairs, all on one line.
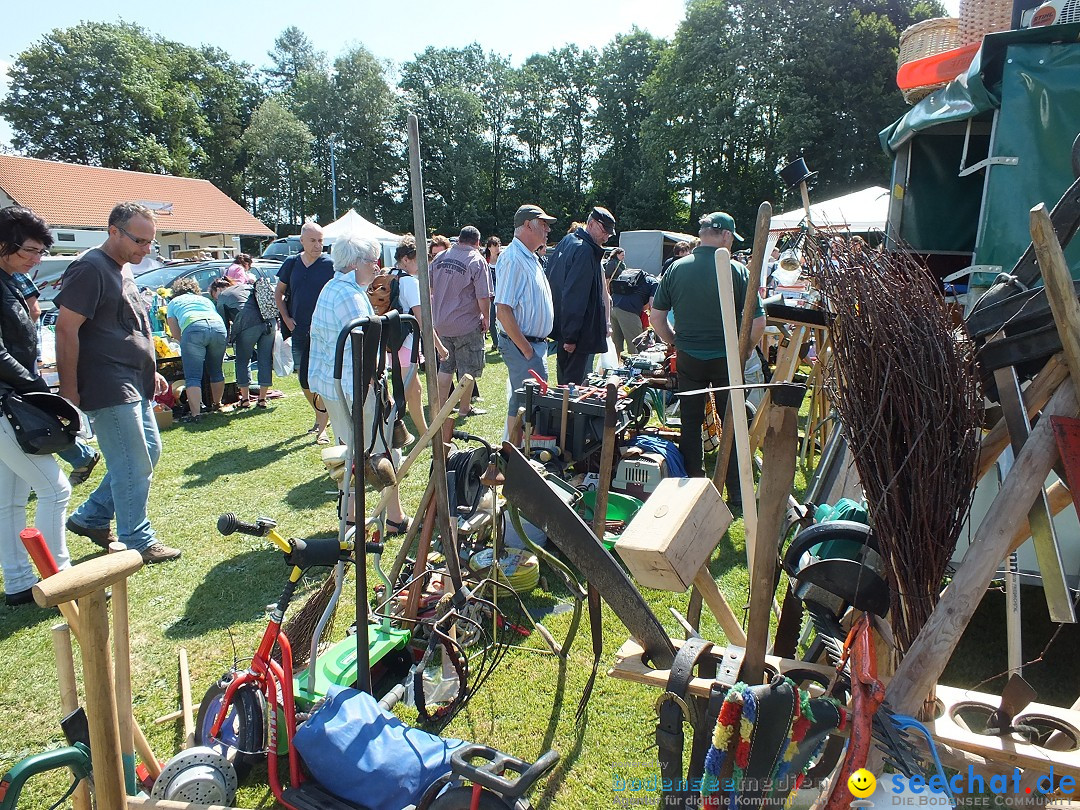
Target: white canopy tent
{"points": [[858, 212], [352, 221]]}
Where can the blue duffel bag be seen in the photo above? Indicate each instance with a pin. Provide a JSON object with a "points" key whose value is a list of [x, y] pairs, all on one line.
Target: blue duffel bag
{"points": [[368, 756]]}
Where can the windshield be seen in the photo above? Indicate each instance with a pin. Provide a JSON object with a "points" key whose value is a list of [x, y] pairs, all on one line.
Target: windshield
{"points": [[162, 277], [282, 249]]}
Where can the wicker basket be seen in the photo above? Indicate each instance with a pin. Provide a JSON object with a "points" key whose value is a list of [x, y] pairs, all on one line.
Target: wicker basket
{"points": [[926, 38], [981, 17]]}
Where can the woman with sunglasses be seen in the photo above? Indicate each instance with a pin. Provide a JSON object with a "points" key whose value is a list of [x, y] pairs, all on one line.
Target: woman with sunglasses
{"points": [[24, 240]]}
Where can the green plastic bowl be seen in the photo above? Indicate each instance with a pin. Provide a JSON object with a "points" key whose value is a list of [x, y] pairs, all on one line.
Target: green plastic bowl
{"points": [[619, 507]]}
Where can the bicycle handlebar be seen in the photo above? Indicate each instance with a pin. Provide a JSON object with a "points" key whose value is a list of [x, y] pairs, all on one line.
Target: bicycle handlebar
{"points": [[301, 553], [494, 764], [229, 523]]}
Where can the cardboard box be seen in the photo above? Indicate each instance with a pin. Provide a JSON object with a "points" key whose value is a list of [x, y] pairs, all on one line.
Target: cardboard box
{"points": [[673, 535], [164, 418]]}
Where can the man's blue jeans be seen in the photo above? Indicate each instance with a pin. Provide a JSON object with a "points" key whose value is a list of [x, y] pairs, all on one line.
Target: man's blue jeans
{"points": [[128, 437], [79, 454]]}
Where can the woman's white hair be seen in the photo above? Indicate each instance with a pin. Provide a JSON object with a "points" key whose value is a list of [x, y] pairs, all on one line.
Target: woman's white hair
{"points": [[350, 249]]}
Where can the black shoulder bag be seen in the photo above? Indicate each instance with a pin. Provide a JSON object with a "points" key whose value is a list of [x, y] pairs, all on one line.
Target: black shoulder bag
{"points": [[626, 282], [44, 423]]}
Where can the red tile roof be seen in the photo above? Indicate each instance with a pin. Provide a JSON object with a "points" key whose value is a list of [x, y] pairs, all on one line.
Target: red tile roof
{"points": [[67, 195]]}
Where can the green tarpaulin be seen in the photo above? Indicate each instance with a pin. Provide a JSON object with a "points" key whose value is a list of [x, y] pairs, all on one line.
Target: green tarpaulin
{"points": [[1026, 86], [977, 90]]}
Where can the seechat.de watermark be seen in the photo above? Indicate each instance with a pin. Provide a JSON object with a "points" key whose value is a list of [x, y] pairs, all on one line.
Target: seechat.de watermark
{"points": [[967, 790]]}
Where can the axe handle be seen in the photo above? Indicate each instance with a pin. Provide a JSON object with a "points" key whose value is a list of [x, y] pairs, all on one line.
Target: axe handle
{"points": [[1059, 288], [562, 422], [757, 258]]}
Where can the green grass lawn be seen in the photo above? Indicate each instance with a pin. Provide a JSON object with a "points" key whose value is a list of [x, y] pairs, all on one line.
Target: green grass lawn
{"points": [[212, 603]]}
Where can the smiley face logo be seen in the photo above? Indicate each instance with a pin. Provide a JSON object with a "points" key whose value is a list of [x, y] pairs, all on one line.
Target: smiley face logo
{"points": [[861, 783]]}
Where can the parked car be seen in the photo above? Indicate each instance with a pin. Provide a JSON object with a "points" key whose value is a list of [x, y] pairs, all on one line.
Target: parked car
{"points": [[281, 249], [47, 275], [202, 272]]}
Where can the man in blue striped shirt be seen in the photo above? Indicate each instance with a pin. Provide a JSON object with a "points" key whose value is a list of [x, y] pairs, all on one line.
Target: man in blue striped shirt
{"points": [[523, 305]]}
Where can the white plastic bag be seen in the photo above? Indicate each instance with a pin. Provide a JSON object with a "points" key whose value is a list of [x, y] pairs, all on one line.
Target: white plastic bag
{"points": [[609, 360], [283, 362]]}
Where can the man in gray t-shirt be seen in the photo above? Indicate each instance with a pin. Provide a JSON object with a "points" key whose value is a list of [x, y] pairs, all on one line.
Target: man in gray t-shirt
{"points": [[460, 303], [105, 356]]}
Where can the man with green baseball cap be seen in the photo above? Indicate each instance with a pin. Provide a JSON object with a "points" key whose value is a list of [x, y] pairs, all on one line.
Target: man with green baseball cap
{"points": [[720, 221], [689, 289]]}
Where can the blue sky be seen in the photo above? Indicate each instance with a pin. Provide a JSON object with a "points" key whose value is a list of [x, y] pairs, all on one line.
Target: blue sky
{"points": [[390, 30]]}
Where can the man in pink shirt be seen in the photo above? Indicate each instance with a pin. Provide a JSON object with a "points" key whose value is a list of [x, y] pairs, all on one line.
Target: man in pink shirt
{"points": [[460, 300]]}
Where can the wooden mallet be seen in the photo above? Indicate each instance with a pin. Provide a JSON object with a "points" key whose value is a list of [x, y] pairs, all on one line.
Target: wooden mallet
{"points": [[39, 552], [86, 583]]}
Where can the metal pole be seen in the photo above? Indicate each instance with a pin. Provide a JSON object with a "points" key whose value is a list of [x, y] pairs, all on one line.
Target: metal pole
{"points": [[447, 527], [333, 178]]}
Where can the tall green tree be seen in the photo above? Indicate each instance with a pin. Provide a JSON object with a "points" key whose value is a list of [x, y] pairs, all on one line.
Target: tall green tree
{"points": [[531, 124], [107, 94], [279, 170], [353, 108], [573, 145], [227, 96], [623, 180], [744, 89], [497, 98], [372, 150], [694, 93], [444, 87], [850, 98], [292, 56]]}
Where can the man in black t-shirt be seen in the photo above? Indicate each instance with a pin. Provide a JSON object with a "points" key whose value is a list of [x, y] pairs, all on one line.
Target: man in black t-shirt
{"points": [[105, 356], [301, 278]]}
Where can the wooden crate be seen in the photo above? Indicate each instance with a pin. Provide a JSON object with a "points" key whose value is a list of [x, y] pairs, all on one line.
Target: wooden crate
{"points": [[673, 535]]}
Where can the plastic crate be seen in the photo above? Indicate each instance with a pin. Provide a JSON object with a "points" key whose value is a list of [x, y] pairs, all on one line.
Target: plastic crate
{"points": [[638, 477]]}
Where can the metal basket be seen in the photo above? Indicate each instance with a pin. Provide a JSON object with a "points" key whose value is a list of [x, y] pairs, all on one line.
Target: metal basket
{"points": [[981, 17]]}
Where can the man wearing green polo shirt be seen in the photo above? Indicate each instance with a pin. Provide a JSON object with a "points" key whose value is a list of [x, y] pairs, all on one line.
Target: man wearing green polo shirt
{"points": [[689, 289]]}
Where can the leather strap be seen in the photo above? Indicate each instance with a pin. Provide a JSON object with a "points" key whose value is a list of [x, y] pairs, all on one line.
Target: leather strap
{"points": [[672, 710], [394, 337]]}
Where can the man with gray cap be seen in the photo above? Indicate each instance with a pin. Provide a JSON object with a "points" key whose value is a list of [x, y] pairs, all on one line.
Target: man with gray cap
{"points": [[689, 288], [578, 296], [523, 305]]}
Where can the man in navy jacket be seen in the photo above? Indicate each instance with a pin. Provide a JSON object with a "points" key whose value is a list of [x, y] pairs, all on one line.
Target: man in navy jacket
{"points": [[578, 296]]}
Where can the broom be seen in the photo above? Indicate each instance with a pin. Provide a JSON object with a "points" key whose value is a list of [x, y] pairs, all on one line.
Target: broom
{"points": [[303, 623], [903, 381]]}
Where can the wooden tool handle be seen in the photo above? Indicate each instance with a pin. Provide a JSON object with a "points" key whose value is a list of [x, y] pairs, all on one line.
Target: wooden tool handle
{"points": [[719, 606], [97, 680], [86, 578], [185, 701], [607, 456], [563, 418]]}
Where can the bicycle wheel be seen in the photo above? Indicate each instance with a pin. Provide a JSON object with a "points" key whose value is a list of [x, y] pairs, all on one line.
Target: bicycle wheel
{"points": [[241, 737], [460, 798]]}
